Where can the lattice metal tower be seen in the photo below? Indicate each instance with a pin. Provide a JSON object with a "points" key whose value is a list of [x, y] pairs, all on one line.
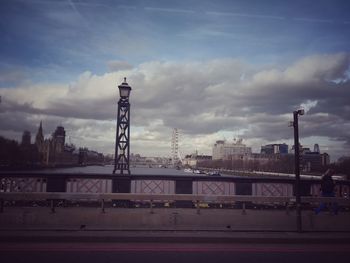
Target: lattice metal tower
{"points": [[122, 149], [175, 147]]}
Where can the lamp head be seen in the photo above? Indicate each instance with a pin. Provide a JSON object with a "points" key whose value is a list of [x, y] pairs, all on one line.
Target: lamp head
{"points": [[299, 112], [124, 90]]}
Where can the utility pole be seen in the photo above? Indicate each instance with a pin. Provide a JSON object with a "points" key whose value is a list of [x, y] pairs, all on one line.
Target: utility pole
{"points": [[297, 167]]}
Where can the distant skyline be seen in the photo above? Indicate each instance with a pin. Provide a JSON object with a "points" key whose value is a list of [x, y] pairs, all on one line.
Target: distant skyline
{"points": [[212, 69]]}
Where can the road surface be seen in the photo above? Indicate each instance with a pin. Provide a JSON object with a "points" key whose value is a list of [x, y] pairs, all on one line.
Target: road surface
{"points": [[172, 252]]}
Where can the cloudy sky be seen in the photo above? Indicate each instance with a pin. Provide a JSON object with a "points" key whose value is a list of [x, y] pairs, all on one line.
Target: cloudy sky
{"points": [[212, 69]]}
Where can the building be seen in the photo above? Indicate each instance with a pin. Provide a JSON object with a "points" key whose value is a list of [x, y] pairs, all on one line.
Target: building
{"points": [[55, 152], [40, 144], [54, 149], [219, 150], [88, 157], [26, 139], [28, 153], [274, 149], [58, 139], [223, 150], [316, 148], [39, 139], [195, 159], [314, 161]]}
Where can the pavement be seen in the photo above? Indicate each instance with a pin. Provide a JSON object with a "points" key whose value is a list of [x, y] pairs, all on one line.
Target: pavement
{"points": [[173, 236]]}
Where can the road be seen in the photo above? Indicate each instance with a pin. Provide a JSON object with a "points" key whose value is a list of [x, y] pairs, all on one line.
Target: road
{"points": [[172, 252]]}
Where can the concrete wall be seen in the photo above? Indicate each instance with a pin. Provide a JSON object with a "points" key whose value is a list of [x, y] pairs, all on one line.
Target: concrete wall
{"points": [[168, 218]]}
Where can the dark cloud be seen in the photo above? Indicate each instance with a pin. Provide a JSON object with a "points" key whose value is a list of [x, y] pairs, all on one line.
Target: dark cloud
{"points": [[94, 109], [16, 122], [327, 125], [335, 101]]}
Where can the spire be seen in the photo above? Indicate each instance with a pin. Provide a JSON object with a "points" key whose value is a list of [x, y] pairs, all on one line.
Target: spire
{"points": [[41, 128], [39, 136]]}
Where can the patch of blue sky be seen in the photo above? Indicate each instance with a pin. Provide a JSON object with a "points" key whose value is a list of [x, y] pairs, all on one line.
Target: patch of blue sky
{"points": [[76, 36]]}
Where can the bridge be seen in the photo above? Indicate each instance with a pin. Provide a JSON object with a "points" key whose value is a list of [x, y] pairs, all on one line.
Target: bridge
{"points": [[153, 218], [31, 200]]}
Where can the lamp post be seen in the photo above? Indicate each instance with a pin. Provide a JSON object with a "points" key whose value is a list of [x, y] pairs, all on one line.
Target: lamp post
{"points": [[122, 143], [297, 166]]}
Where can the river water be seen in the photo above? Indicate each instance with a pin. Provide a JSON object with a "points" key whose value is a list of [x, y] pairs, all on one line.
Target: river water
{"points": [[108, 169]]}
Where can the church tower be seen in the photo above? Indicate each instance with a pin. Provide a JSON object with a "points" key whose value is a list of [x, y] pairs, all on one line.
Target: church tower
{"points": [[39, 139]]}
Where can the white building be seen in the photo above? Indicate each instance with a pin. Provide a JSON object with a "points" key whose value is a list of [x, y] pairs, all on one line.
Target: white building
{"points": [[225, 150]]}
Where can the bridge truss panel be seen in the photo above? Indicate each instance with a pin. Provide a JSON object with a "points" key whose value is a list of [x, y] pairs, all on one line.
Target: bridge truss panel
{"points": [[23, 185], [272, 189], [80, 185], [153, 187], [213, 188]]}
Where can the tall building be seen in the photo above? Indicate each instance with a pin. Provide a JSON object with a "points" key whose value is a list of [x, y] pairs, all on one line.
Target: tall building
{"points": [[312, 161], [40, 144], [39, 139], [58, 138], [224, 150], [316, 148], [218, 150], [26, 138], [274, 149]]}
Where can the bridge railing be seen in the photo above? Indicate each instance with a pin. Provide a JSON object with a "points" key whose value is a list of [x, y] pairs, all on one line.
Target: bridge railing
{"points": [[164, 184], [52, 198]]}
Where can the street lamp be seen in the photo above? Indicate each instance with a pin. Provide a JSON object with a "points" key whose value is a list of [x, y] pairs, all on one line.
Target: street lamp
{"points": [[124, 90], [297, 165], [122, 143]]}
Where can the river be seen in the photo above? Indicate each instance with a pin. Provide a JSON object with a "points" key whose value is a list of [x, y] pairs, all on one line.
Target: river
{"points": [[108, 169]]}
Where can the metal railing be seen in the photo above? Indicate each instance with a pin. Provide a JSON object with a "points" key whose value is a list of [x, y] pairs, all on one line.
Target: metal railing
{"points": [[183, 184], [240, 176], [151, 198]]}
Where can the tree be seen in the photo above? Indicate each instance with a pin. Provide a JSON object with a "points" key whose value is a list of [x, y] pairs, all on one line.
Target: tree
{"points": [[9, 152], [343, 167]]}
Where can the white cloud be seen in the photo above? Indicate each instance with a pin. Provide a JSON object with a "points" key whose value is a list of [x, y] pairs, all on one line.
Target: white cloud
{"points": [[319, 67], [308, 105], [201, 98], [117, 65]]}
